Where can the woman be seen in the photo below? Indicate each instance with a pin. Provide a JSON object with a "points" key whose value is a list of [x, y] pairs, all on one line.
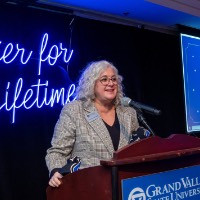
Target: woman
{"points": [[93, 126]]}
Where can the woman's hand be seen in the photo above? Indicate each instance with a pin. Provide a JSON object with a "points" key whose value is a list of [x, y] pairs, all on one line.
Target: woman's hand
{"points": [[55, 180]]}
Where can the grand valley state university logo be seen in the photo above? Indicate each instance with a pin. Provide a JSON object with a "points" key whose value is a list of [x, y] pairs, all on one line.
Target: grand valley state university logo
{"points": [[137, 194], [179, 184]]}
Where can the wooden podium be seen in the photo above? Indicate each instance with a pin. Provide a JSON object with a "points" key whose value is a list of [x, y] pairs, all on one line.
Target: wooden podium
{"points": [[147, 156]]}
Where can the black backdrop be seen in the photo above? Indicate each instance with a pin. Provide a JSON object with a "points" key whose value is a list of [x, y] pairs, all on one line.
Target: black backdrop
{"points": [[150, 63]]}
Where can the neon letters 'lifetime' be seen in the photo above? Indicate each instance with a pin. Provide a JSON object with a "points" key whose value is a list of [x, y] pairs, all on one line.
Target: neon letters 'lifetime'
{"points": [[32, 96]]}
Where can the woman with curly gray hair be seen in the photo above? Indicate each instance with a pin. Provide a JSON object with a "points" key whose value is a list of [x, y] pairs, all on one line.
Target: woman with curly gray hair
{"points": [[85, 89], [94, 125]]}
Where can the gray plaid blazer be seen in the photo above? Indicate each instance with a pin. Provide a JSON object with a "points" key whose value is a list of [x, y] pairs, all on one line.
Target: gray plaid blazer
{"points": [[81, 132]]}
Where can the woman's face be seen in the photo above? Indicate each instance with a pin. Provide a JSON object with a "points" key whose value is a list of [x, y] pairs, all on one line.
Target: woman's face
{"points": [[106, 86]]}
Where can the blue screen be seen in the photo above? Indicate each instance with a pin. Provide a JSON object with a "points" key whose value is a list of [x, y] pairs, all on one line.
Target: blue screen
{"points": [[190, 47]]}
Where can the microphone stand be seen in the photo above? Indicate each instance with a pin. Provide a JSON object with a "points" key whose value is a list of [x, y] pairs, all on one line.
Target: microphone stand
{"points": [[143, 121]]}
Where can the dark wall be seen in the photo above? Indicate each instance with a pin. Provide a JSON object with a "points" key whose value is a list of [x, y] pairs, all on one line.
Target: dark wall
{"points": [[150, 63]]}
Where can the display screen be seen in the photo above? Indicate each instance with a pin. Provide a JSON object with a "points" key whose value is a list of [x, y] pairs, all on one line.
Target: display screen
{"points": [[190, 47]]}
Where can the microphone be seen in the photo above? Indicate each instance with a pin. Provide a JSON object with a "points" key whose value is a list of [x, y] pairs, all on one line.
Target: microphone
{"points": [[139, 134], [128, 102]]}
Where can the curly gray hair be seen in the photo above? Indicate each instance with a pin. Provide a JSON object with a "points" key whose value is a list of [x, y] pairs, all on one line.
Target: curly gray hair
{"points": [[85, 89]]}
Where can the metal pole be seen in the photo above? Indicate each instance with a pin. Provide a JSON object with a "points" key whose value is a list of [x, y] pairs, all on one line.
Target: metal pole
{"points": [[115, 190]]}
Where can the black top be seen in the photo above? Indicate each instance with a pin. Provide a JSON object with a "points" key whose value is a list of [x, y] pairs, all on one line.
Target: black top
{"points": [[114, 131]]}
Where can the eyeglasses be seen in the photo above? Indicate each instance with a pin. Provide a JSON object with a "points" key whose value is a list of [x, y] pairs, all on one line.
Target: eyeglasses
{"points": [[105, 80]]}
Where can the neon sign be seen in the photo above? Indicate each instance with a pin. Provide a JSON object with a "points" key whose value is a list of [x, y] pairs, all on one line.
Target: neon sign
{"points": [[32, 96]]}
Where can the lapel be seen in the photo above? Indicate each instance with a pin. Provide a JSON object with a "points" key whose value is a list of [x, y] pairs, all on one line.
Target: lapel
{"points": [[125, 125], [95, 121]]}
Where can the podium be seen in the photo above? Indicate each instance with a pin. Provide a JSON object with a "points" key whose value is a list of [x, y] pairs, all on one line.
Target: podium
{"points": [[147, 156]]}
